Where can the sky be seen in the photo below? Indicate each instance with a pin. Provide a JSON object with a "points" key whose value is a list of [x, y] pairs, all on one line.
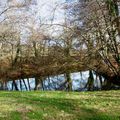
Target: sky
{"points": [[51, 9], [50, 12], [44, 10]]}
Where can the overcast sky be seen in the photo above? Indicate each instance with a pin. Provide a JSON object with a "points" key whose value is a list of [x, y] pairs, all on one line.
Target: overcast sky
{"points": [[46, 11], [49, 9]]}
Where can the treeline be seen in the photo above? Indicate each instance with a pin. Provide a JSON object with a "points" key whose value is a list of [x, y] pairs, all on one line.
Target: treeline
{"points": [[88, 39]]}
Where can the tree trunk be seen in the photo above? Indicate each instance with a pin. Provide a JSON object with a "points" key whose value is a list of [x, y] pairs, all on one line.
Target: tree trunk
{"points": [[107, 85], [25, 84], [20, 85], [90, 83], [3, 85], [15, 85], [69, 81], [101, 83], [28, 84], [38, 83]]}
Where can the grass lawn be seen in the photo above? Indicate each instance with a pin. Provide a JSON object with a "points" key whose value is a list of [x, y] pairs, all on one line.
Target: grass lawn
{"points": [[103, 105]]}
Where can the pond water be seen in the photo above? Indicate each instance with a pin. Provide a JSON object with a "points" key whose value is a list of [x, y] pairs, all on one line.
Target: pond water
{"points": [[79, 80]]}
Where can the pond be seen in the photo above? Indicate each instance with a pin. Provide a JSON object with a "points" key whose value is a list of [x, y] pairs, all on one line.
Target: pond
{"points": [[79, 80]]}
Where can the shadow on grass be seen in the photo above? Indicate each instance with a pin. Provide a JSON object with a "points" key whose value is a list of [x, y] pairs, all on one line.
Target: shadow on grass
{"points": [[52, 106], [55, 108]]}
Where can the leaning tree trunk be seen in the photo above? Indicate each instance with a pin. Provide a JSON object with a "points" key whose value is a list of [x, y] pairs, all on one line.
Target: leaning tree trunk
{"points": [[25, 84], [28, 84], [15, 85]]}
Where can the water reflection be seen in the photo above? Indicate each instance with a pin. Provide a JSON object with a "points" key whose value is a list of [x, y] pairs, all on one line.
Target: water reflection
{"points": [[79, 81]]}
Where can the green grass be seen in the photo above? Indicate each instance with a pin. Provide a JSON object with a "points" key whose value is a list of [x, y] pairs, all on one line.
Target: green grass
{"points": [[104, 105]]}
